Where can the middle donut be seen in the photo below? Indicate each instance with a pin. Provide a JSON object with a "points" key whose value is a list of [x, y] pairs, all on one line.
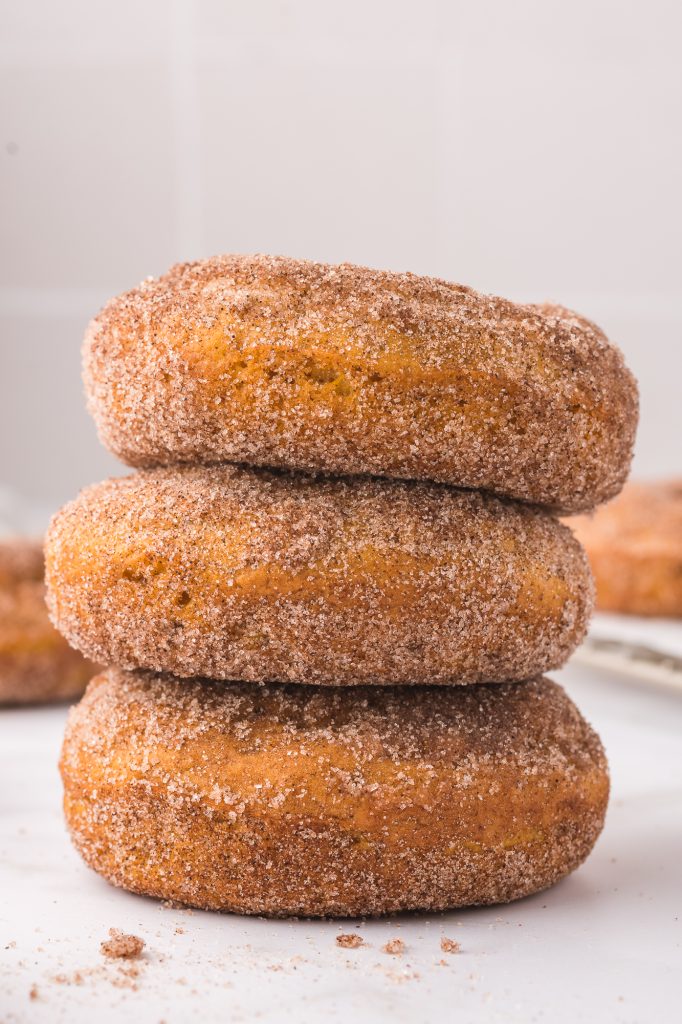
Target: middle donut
{"points": [[238, 573]]}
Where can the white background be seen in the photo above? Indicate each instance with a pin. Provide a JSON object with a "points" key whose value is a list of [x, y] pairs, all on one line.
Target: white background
{"points": [[528, 148]]}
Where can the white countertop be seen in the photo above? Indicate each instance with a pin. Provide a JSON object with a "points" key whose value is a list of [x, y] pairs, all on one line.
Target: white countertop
{"points": [[604, 945]]}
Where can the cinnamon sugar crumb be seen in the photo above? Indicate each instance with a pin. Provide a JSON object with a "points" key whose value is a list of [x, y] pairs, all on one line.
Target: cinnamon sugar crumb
{"points": [[120, 946], [449, 945], [396, 947], [69, 979], [126, 977], [350, 940], [33, 993]]}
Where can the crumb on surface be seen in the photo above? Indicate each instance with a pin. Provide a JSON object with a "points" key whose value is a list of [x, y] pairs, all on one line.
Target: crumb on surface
{"points": [[69, 979], [120, 946], [126, 977], [33, 993], [395, 947], [351, 940], [449, 945]]}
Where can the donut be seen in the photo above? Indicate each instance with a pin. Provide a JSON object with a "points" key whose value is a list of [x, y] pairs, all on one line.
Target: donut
{"points": [[285, 800], [237, 573], [36, 663], [341, 369], [635, 547]]}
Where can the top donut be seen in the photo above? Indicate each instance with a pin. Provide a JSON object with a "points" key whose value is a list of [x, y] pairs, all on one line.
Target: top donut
{"points": [[341, 369]]}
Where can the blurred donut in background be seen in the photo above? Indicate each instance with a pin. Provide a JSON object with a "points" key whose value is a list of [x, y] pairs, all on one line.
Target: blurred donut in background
{"points": [[36, 663], [634, 545]]}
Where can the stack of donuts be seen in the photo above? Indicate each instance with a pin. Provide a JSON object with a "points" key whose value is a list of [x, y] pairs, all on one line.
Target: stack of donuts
{"points": [[331, 588]]}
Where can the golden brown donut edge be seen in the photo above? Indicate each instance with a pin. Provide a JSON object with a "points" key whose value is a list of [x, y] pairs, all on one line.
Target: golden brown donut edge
{"points": [[282, 800], [235, 573], [342, 369]]}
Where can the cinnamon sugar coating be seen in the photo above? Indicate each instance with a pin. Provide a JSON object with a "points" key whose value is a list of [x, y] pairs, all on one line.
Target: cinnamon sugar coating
{"points": [[36, 663], [238, 573], [341, 369], [635, 547], [286, 800]]}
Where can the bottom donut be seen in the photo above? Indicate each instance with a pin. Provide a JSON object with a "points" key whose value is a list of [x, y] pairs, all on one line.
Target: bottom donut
{"points": [[285, 800]]}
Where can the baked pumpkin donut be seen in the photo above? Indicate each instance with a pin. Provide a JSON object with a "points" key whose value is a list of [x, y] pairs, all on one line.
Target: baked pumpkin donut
{"points": [[36, 663], [341, 369], [286, 800], [236, 573], [635, 547]]}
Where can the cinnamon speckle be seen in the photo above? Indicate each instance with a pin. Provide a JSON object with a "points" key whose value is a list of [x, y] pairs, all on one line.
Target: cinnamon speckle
{"points": [[120, 946], [350, 941]]}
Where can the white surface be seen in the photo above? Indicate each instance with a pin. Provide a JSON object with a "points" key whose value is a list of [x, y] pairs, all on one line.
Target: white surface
{"points": [[648, 650], [664, 635], [604, 945]]}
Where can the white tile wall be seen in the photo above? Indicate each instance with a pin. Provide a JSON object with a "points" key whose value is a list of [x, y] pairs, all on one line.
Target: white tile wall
{"points": [[90, 197], [376, 25], [528, 148], [48, 443], [327, 159], [80, 31]]}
